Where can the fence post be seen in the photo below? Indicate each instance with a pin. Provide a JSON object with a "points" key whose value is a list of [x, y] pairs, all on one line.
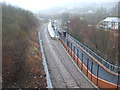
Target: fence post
{"points": [[67, 45], [118, 80], [97, 73], [82, 62], [108, 66], [74, 53], [77, 55], [71, 49], [91, 70], [87, 66]]}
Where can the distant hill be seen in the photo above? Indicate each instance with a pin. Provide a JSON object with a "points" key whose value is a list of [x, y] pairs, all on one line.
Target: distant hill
{"points": [[78, 7]]}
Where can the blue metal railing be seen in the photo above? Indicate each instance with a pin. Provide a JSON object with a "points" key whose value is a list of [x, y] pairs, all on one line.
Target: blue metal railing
{"points": [[109, 66], [91, 65], [49, 83]]}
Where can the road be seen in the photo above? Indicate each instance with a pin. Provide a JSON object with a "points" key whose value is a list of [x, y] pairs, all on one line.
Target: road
{"points": [[63, 72]]}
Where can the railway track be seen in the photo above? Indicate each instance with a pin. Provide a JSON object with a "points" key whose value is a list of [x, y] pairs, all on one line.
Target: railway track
{"points": [[66, 76], [68, 85], [59, 74], [63, 72]]}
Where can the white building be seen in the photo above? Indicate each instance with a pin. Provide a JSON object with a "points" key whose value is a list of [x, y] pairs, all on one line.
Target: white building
{"points": [[112, 23]]}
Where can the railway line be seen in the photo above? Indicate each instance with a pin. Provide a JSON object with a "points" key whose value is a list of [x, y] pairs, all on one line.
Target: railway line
{"points": [[63, 72], [66, 75], [69, 74]]}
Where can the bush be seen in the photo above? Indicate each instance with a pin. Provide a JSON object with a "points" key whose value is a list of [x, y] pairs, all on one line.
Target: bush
{"points": [[103, 42]]}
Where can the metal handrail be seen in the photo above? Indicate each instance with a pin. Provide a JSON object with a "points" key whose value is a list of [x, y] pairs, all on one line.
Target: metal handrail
{"points": [[90, 64], [109, 66], [49, 83]]}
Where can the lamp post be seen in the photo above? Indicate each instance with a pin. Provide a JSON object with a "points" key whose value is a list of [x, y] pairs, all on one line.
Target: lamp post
{"points": [[68, 26], [68, 21]]}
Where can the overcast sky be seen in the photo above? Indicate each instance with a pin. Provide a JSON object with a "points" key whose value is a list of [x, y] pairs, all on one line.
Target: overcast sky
{"points": [[36, 5]]}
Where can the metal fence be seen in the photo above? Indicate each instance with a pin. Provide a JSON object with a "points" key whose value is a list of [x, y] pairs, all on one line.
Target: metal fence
{"points": [[49, 83], [91, 65], [109, 66]]}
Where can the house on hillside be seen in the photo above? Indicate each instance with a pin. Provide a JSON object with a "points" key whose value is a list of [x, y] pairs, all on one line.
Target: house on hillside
{"points": [[111, 23]]}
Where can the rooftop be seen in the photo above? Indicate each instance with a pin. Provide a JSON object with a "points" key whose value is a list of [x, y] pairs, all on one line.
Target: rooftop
{"points": [[112, 19]]}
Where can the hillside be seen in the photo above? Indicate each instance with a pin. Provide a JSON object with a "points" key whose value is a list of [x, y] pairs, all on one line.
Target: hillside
{"points": [[21, 59]]}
